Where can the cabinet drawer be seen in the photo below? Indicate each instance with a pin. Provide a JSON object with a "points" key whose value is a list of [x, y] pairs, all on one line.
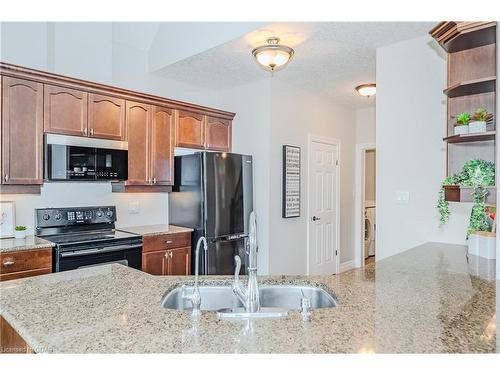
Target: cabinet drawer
{"points": [[21, 274], [25, 260], [166, 241]]}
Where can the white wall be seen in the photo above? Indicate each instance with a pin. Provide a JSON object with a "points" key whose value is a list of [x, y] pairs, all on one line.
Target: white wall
{"points": [[82, 50], [411, 156], [24, 43], [365, 125], [294, 115], [252, 136]]}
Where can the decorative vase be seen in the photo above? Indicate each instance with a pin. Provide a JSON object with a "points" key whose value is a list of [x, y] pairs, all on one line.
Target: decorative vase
{"points": [[477, 126], [20, 233], [461, 129]]}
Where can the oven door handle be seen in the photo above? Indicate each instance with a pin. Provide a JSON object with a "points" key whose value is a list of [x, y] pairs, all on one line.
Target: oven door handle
{"points": [[108, 249]]}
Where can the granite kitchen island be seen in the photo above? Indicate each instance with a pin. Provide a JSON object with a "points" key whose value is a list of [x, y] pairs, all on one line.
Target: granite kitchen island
{"points": [[423, 300]]}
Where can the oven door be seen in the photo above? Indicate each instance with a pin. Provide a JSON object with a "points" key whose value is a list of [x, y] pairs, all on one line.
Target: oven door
{"points": [[129, 255]]}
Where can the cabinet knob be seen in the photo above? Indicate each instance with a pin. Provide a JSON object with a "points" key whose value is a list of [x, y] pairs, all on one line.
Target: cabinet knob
{"points": [[8, 262]]}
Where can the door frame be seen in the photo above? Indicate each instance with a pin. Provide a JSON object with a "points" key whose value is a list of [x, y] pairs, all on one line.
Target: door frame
{"points": [[359, 197], [312, 138]]}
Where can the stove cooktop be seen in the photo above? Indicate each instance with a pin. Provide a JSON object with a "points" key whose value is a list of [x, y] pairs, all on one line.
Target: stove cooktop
{"points": [[90, 236]]}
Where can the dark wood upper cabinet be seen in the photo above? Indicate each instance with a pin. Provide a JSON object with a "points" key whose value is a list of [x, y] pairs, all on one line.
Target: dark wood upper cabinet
{"points": [[138, 119], [189, 130], [218, 134], [106, 117], [162, 140], [22, 132], [65, 111]]}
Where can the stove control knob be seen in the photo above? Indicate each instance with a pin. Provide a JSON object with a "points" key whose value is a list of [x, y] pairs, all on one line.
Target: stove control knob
{"points": [[46, 217], [58, 216], [109, 213], [99, 213]]}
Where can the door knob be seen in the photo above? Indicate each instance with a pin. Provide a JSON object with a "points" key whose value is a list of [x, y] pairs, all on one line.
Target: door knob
{"points": [[315, 218]]}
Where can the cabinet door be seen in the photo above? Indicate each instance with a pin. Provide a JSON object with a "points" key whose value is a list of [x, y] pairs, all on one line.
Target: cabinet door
{"points": [[180, 261], [155, 263], [138, 119], [218, 134], [162, 150], [65, 111], [22, 131], [189, 130], [106, 117]]}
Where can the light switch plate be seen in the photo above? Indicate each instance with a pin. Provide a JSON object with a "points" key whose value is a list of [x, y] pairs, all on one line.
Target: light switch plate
{"points": [[133, 207], [402, 197]]}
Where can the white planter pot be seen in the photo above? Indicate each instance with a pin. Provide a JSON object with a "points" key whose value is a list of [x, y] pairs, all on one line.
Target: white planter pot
{"points": [[477, 126], [483, 245], [20, 234], [461, 129]]}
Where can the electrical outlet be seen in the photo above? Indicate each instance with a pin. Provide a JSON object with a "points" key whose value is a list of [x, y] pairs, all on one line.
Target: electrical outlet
{"points": [[133, 208], [402, 197]]}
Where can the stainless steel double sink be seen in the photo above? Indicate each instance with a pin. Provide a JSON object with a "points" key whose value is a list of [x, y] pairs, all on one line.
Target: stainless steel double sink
{"points": [[218, 297]]}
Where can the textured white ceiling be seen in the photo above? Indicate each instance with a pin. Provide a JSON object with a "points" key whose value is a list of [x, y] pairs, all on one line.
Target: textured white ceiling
{"points": [[330, 58]]}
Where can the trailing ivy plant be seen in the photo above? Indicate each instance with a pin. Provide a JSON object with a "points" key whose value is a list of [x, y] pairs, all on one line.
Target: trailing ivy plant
{"points": [[477, 174]]}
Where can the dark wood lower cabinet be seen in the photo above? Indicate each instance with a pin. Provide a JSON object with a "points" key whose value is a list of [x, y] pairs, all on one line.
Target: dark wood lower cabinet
{"points": [[161, 255], [10, 341], [180, 261]]}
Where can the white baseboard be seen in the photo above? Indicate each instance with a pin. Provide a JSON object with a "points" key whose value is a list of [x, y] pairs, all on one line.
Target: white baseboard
{"points": [[346, 266]]}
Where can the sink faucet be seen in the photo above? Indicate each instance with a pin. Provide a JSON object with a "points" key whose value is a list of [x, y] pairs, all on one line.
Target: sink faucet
{"points": [[248, 296], [196, 297]]}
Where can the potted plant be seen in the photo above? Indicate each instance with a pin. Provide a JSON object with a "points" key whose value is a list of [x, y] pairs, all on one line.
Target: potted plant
{"points": [[477, 123], [462, 125], [20, 231], [479, 175]]}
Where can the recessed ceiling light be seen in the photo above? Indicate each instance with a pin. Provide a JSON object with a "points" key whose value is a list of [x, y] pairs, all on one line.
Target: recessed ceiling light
{"points": [[273, 56], [367, 89]]}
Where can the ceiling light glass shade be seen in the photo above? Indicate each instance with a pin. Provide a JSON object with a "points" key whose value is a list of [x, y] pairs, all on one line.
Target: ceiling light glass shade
{"points": [[273, 56], [368, 89]]}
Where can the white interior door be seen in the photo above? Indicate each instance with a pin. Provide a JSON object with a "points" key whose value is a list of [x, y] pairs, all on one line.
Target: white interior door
{"points": [[323, 208]]}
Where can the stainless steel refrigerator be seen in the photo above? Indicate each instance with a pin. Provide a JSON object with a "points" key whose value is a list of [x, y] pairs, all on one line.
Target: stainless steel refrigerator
{"points": [[213, 194]]}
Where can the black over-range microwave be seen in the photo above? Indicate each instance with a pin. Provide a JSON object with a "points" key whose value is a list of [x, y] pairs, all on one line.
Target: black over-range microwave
{"points": [[69, 158]]}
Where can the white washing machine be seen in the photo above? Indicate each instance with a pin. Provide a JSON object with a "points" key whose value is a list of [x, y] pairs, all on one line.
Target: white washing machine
{"points": [[370, 227]]}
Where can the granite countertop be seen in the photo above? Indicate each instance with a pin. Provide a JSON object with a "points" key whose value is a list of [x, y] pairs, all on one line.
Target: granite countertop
{"points": [[422, 300], [155, 229], [23, 244]]}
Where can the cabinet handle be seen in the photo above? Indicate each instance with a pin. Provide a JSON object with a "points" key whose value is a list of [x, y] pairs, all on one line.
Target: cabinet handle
{"points": [[6, 178], [171, 255], [169, 241], [91, 131], [154, 180], [8, 262]]}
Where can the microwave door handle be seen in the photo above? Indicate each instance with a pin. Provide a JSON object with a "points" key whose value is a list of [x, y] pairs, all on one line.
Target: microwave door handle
{"points": [[108, 249]]}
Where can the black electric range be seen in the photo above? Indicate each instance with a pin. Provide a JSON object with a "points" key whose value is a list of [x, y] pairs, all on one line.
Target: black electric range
{"points": [[86, 237]]}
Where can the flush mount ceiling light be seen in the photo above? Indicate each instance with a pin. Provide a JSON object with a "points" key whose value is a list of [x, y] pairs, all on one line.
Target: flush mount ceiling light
{"points": [[368, 89], [273, 56]]}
